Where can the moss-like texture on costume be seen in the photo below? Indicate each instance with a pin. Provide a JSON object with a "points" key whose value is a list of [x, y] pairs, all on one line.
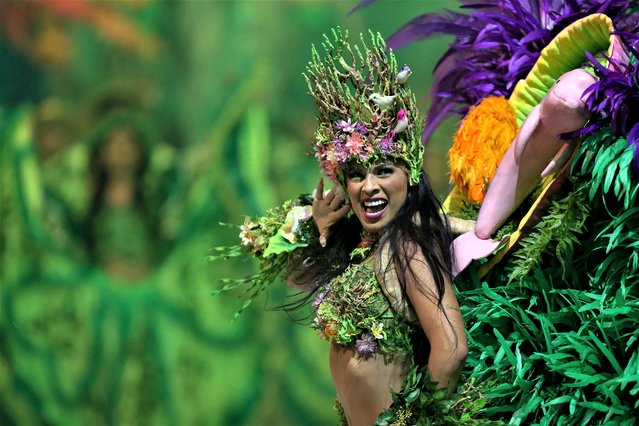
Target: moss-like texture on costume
{"points": [[353, 311]]}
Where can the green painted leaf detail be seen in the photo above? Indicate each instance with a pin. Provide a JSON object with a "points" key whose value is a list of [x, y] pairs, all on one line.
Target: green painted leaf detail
{"points": [[278, 245]]}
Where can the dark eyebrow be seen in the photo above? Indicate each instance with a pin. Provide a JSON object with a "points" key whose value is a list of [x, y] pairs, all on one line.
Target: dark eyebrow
{"points": [[380, 166], [354, 172]]}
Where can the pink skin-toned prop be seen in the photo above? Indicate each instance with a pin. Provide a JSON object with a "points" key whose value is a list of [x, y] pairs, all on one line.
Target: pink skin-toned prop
{"points": [[535, 152]]}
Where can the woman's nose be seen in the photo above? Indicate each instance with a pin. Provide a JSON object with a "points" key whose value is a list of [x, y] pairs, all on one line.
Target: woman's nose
{"points": [[370, 184]]}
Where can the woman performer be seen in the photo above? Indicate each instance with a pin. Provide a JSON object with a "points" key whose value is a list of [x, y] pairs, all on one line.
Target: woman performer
{"points": [[378, 301], [378, 268]]}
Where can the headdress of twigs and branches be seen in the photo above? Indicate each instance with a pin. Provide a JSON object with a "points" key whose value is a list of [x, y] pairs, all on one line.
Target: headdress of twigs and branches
{"points": [[366, 111]]}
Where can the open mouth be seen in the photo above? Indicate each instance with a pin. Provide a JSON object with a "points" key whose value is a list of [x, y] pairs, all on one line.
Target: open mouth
{"points": [[373, 209]]}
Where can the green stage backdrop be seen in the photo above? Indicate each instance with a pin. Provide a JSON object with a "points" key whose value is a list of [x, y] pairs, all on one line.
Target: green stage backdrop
{"points": [[218, 87]]}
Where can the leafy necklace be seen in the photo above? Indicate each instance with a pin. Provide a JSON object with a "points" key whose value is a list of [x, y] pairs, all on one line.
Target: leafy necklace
{"points": [[368, 240]]}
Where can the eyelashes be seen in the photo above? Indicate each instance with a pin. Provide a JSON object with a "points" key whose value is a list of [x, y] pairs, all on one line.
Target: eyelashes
{"points": [[378, 170], [355, 175], [384, 169]]}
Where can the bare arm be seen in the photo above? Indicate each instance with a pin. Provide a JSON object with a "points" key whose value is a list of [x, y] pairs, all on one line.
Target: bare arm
{"points": [[460, 226], [443, 325]]}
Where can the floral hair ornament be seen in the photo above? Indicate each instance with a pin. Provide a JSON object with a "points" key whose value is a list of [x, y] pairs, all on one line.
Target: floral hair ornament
{"points": [[366, 111]]}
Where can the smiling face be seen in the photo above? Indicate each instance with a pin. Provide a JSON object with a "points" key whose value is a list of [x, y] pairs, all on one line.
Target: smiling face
{"points": [[376, 193]]}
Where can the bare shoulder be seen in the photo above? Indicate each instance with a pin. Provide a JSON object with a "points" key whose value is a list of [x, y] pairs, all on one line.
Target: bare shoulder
{"points": [[419, 271], [422, 287]]}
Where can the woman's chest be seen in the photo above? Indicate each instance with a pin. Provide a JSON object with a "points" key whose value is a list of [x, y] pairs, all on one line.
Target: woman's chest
{"points": [[352, 311]]}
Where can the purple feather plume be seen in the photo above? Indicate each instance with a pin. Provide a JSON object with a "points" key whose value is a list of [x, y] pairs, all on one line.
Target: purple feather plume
{"points": [[614, 99], [496, 44]]}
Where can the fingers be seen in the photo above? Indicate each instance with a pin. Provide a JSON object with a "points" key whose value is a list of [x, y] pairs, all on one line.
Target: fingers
{"points": [[343, 210], [328, 208], [336, 200], [319, 191], [329, 197]]}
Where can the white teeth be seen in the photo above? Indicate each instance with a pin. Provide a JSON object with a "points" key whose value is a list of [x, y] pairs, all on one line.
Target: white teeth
{"points": [[374, 203]]}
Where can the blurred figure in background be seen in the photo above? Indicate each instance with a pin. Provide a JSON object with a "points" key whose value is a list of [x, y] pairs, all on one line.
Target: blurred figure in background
{"points": [[121, 224]]}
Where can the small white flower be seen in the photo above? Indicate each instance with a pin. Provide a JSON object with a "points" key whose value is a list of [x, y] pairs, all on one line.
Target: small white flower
{"points": [[378, 331], [247, 235]]}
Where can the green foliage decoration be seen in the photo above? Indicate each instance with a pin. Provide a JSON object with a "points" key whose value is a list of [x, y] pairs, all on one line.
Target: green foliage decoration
{"points": [[558, 344], [275, 240], [558, 231], [422, 403]]}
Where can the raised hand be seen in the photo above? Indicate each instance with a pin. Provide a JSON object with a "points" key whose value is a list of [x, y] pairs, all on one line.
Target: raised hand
{"points": [[328, 208]]}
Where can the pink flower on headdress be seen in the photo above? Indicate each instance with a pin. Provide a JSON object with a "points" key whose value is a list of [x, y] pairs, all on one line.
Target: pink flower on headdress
{"points": [[354, 143], [329, 161], [346, 126], [330, 170], [341, 152], [320, 151], [386, 146], [327, 157]]}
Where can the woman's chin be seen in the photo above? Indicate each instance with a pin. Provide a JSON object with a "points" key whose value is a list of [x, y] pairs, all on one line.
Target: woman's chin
{"points": [[374, 227]]}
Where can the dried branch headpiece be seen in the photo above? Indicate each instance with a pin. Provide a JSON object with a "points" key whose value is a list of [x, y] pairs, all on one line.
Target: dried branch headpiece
{"points": [[366, 112]]}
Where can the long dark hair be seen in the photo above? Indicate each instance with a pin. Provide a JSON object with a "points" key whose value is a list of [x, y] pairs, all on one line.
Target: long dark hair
{"points": [[418, 225]]}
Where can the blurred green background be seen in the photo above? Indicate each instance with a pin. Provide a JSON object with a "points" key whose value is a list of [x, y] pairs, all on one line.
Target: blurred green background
{"points": [[214, 94]]}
